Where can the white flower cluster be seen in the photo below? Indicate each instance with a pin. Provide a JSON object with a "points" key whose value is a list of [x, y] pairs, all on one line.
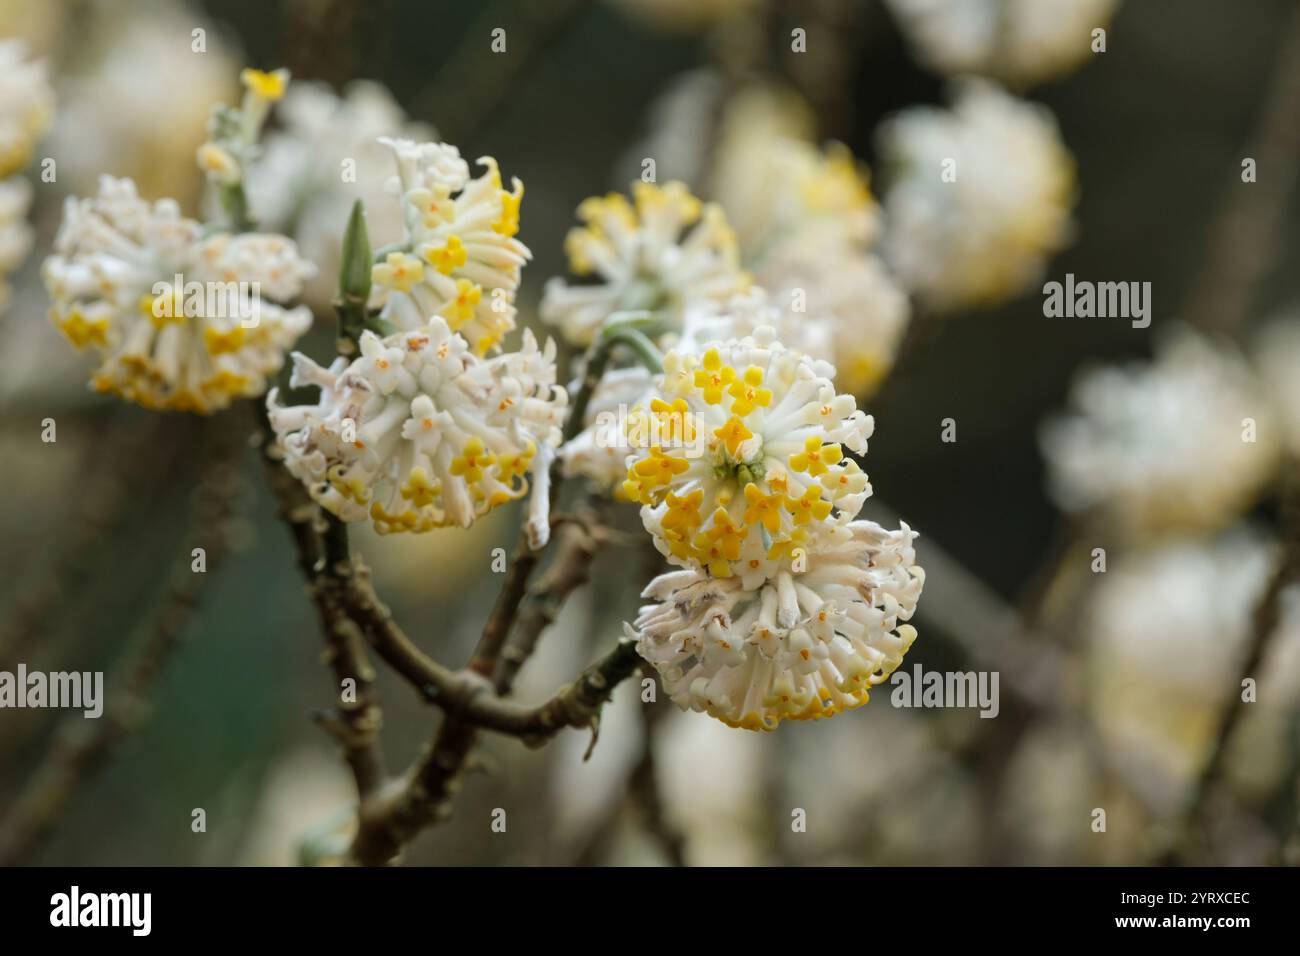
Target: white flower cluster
{"points": [[26, 108], [796, 646], [980, 197], [739, 454], [807, 223], [418, 432], [325, 155], [1188, 441], [660, 253], [1016, 41], [1167, 626], [180, 319], [464, 263]]}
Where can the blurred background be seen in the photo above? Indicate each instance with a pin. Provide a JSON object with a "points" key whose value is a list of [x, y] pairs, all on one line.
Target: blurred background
{"points": [[1115, 684]]}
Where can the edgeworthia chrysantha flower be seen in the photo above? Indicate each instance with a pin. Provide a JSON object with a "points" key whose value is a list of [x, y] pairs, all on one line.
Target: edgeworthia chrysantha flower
{"points": [[419, 432], [461, 260], [979, 199], [1017, 41], [324, 155], [804, 643], [659, 253], [739, 455], [26, 106], [180, 319], [807, 224], [1189, 441]]}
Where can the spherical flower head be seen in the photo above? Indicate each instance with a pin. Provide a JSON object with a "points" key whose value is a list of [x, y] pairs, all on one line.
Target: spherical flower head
{"points": [[15, 234], [775, 188], [742, 453], [1188, 441], [1165, 629], [26, 106], [418, 432], [180, 320], [323, 155], [1017, 41], [982, 197], [805, 643], [464, 262], [660, 253]]}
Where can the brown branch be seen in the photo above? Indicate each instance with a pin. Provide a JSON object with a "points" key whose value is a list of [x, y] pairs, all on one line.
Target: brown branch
{"points": [[325, 559], [1264, 626]]}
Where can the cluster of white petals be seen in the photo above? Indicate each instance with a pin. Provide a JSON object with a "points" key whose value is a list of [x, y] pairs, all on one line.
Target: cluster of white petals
{"points": [[323, 156], [660, 253], [180, 319], [1016, 41], [807, 223], [464, 263], [26, 106], [1188, 441], [1166, 629], [738, 456], [419, 432], [980, 199], [805, 643]]}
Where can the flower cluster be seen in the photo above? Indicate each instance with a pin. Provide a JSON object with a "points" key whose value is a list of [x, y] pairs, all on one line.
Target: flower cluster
{"points": [[740, 454], [807, 223], [180, 319], [981, 198], [795, 646], [1186, 442], [325, 155], [1017, 41], [461, 259], [419, 432], [661, 252], [26, 106]]}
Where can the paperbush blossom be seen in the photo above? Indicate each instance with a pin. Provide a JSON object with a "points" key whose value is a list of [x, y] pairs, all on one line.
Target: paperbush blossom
{"points": [[980, 197], [800, 644], [1018, 41], [124, 109], [740, 454], [325, 155], [807, 222], [193, 346], [464, 262], [1166, 629], [419, 432], [659, 253], [26, 106], [1188, 441]]}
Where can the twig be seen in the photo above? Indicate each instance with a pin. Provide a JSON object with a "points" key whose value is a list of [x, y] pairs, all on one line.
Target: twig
{"points": [[325, 560], [1264, 626]]}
